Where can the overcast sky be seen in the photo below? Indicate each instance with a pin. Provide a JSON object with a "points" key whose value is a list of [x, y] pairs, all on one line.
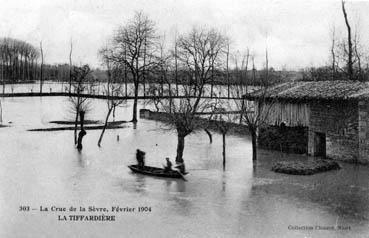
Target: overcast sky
{"points": [[296, 32]]}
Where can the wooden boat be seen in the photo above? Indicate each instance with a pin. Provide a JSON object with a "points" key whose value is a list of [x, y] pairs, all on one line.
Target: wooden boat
{"points": [[158, 172]]}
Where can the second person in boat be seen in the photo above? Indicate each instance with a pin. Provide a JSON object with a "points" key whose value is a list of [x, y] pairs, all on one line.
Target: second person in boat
{"points": [[168, 166], [140, 156]]}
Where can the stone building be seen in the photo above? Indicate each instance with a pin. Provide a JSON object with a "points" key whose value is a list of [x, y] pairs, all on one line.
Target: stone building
{"points": [[323, 118]]}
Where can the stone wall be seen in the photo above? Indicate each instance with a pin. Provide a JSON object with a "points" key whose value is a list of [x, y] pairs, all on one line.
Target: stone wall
{"points": [[236, 128], [339, 122], [363, 132]]}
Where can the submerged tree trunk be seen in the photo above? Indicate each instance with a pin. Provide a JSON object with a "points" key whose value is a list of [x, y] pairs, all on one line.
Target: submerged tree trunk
{"points": [[180, 148], [134, 117], [105, 125], [209, 134], [254, 145], [75, 126], [224, 150], [114, 112], [82, 133]]}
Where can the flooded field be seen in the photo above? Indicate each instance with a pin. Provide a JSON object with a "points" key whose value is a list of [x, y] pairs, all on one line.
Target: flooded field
{"points": [[44, 169]]}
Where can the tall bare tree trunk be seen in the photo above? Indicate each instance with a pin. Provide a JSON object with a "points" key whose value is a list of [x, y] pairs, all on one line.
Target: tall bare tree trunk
{"points": [[136, 85], [134, 117], [180, 148], [350, 69], [212, 77], [105, 125], [358, 57], [125, 73]]}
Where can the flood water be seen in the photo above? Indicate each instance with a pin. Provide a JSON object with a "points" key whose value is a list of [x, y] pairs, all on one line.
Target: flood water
{"points": [[100, 88], [44, 169]]}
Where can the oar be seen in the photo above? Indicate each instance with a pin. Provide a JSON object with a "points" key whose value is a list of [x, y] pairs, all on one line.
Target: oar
{"points": [[182, 176]]}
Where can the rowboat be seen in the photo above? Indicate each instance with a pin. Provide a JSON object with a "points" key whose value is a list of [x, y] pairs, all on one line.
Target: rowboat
{"points": [[154, 171]]}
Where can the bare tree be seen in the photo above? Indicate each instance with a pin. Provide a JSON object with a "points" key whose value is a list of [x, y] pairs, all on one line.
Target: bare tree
{"points": [[111, 91], [79, 103], [197, 52], [135, 45], [224, 122], [182, 116], [254, 113]]}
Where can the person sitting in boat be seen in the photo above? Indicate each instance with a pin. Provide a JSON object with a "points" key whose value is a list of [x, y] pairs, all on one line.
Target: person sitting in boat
{"points": [[181, 167], [168, 167], [140, 156]]}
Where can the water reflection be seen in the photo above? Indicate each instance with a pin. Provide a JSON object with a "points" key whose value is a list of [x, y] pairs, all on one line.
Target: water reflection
{"points": [[140, 184], [180, 186], [83, 161], [224, 182]]}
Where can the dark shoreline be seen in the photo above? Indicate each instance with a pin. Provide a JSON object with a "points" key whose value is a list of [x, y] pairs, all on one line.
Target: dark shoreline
{"points": [[71, 128], [110, 125]]}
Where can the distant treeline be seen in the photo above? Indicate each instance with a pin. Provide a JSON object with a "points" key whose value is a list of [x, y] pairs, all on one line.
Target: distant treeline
{"points": [[233, 77], [20, 62], [329, 73]]}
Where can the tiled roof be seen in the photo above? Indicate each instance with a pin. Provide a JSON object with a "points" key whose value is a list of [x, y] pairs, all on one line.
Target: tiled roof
{"points": [[315, 90]]}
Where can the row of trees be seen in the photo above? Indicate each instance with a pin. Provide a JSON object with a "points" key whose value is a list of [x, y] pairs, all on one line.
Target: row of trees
{"points": [[23, 62], [192, 63], [18, 60]]}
